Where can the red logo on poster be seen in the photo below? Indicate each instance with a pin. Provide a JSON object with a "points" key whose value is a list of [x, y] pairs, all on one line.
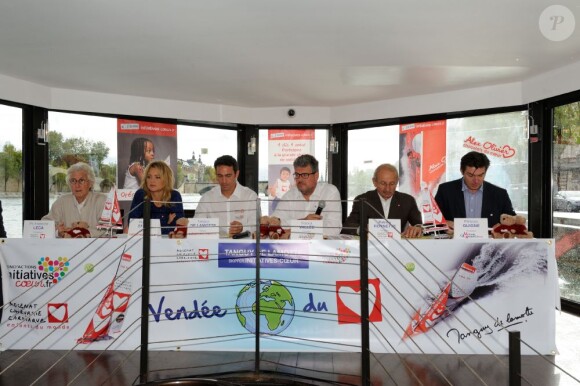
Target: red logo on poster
{"points": [[57, 312], [348, 301], [203, 253], [489, 148]]}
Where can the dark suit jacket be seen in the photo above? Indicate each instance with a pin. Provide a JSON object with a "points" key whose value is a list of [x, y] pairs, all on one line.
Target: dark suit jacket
{"points": [[2, 230], [403, 207], [495, 202]]}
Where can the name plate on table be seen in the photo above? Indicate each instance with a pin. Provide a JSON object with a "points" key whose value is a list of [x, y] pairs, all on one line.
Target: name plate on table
{"points": [[306, 229], [43, 229], [470, 228], [385, 229], [136, 227], [203, 228]]}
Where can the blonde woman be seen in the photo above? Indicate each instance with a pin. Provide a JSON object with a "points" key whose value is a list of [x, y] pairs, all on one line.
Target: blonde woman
{"points": [[166, 203]]}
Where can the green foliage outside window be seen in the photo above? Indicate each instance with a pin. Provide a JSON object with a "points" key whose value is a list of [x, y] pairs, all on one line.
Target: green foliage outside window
{"points": [[66, 152], [11, 168]]}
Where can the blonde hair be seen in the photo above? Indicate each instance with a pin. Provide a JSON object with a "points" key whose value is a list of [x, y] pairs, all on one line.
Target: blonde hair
{"points": [[166, 177]]}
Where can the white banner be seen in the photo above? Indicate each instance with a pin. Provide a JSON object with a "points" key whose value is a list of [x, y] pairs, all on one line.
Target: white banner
{"points": [[203, 294]]}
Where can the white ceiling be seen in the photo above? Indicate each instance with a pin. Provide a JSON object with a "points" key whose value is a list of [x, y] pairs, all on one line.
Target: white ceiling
{"points": [[269, 53]]}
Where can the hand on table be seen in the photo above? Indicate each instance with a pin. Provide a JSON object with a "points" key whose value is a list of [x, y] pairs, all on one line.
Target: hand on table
{"points": [[413, 232], [235, 228]]}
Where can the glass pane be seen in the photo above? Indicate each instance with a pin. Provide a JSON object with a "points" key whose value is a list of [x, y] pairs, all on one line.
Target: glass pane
{"points": [[566, 197], [11, 169], [76, 138], [320, 152], [503, 137], [197, 149], [367, 149]]}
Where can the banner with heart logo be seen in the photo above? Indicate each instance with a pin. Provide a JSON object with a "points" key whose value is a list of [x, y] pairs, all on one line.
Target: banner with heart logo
{"points": [[429, 296]]}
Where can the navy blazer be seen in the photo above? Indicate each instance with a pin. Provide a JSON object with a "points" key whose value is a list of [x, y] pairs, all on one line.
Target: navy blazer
{"points": [[403, 207], [159, 212], [495, 202]]}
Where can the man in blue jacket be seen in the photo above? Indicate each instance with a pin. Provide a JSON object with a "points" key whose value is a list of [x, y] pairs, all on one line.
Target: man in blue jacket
{"points": [[471, 196]]}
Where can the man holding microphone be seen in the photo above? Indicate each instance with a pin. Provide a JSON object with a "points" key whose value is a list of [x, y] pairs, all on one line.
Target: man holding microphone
{"points": [[309, 199]]}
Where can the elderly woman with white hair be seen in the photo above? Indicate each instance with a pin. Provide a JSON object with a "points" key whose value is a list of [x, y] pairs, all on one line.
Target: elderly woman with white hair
{"points": [[82, 205]]}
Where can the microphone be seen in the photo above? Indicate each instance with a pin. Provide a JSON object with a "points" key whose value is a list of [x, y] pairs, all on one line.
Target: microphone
{"points": [[321, 205]]}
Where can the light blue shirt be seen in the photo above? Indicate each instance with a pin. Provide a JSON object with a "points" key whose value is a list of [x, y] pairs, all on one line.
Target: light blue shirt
{"points": [[473, 201]]}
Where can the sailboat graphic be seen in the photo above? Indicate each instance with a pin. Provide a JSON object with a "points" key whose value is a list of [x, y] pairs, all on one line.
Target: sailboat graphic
{"points": [[457, 290], [433, 220], [110, 313], [111, 216]]}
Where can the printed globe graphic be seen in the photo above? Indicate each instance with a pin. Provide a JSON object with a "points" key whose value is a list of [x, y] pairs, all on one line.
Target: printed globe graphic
{"points": [[276, 307]]}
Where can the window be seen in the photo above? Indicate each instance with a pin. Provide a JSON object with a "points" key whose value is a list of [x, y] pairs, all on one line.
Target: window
{"points": [[271, 162], [76, 138], [11, 169], [93, 139], [197, 149], [412, 149], [367, 149], [503, 137], [566, 197]]}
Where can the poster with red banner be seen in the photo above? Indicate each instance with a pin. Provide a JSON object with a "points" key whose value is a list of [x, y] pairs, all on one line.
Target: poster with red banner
{"points": [[111, 215], [422, 159], [283, 148], [138, 144]]}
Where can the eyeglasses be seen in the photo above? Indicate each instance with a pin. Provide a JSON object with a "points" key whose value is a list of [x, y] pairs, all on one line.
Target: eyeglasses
{"points": [[302, 175], [80, 181], [387, 184]]}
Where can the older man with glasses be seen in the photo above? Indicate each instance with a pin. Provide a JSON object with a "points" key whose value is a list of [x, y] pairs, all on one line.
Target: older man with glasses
{"points": [[471, 196], [309, 199], [82, 206], [386, 202]]}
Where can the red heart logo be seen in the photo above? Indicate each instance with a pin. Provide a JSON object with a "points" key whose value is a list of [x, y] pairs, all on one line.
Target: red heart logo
{"points": [[57, 313], [508, 151]]}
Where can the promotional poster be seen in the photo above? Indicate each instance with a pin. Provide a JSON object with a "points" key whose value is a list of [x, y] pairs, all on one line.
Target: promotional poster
{"points": [[284, 146], [138, 144], [422, 157], [439, 296]]}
